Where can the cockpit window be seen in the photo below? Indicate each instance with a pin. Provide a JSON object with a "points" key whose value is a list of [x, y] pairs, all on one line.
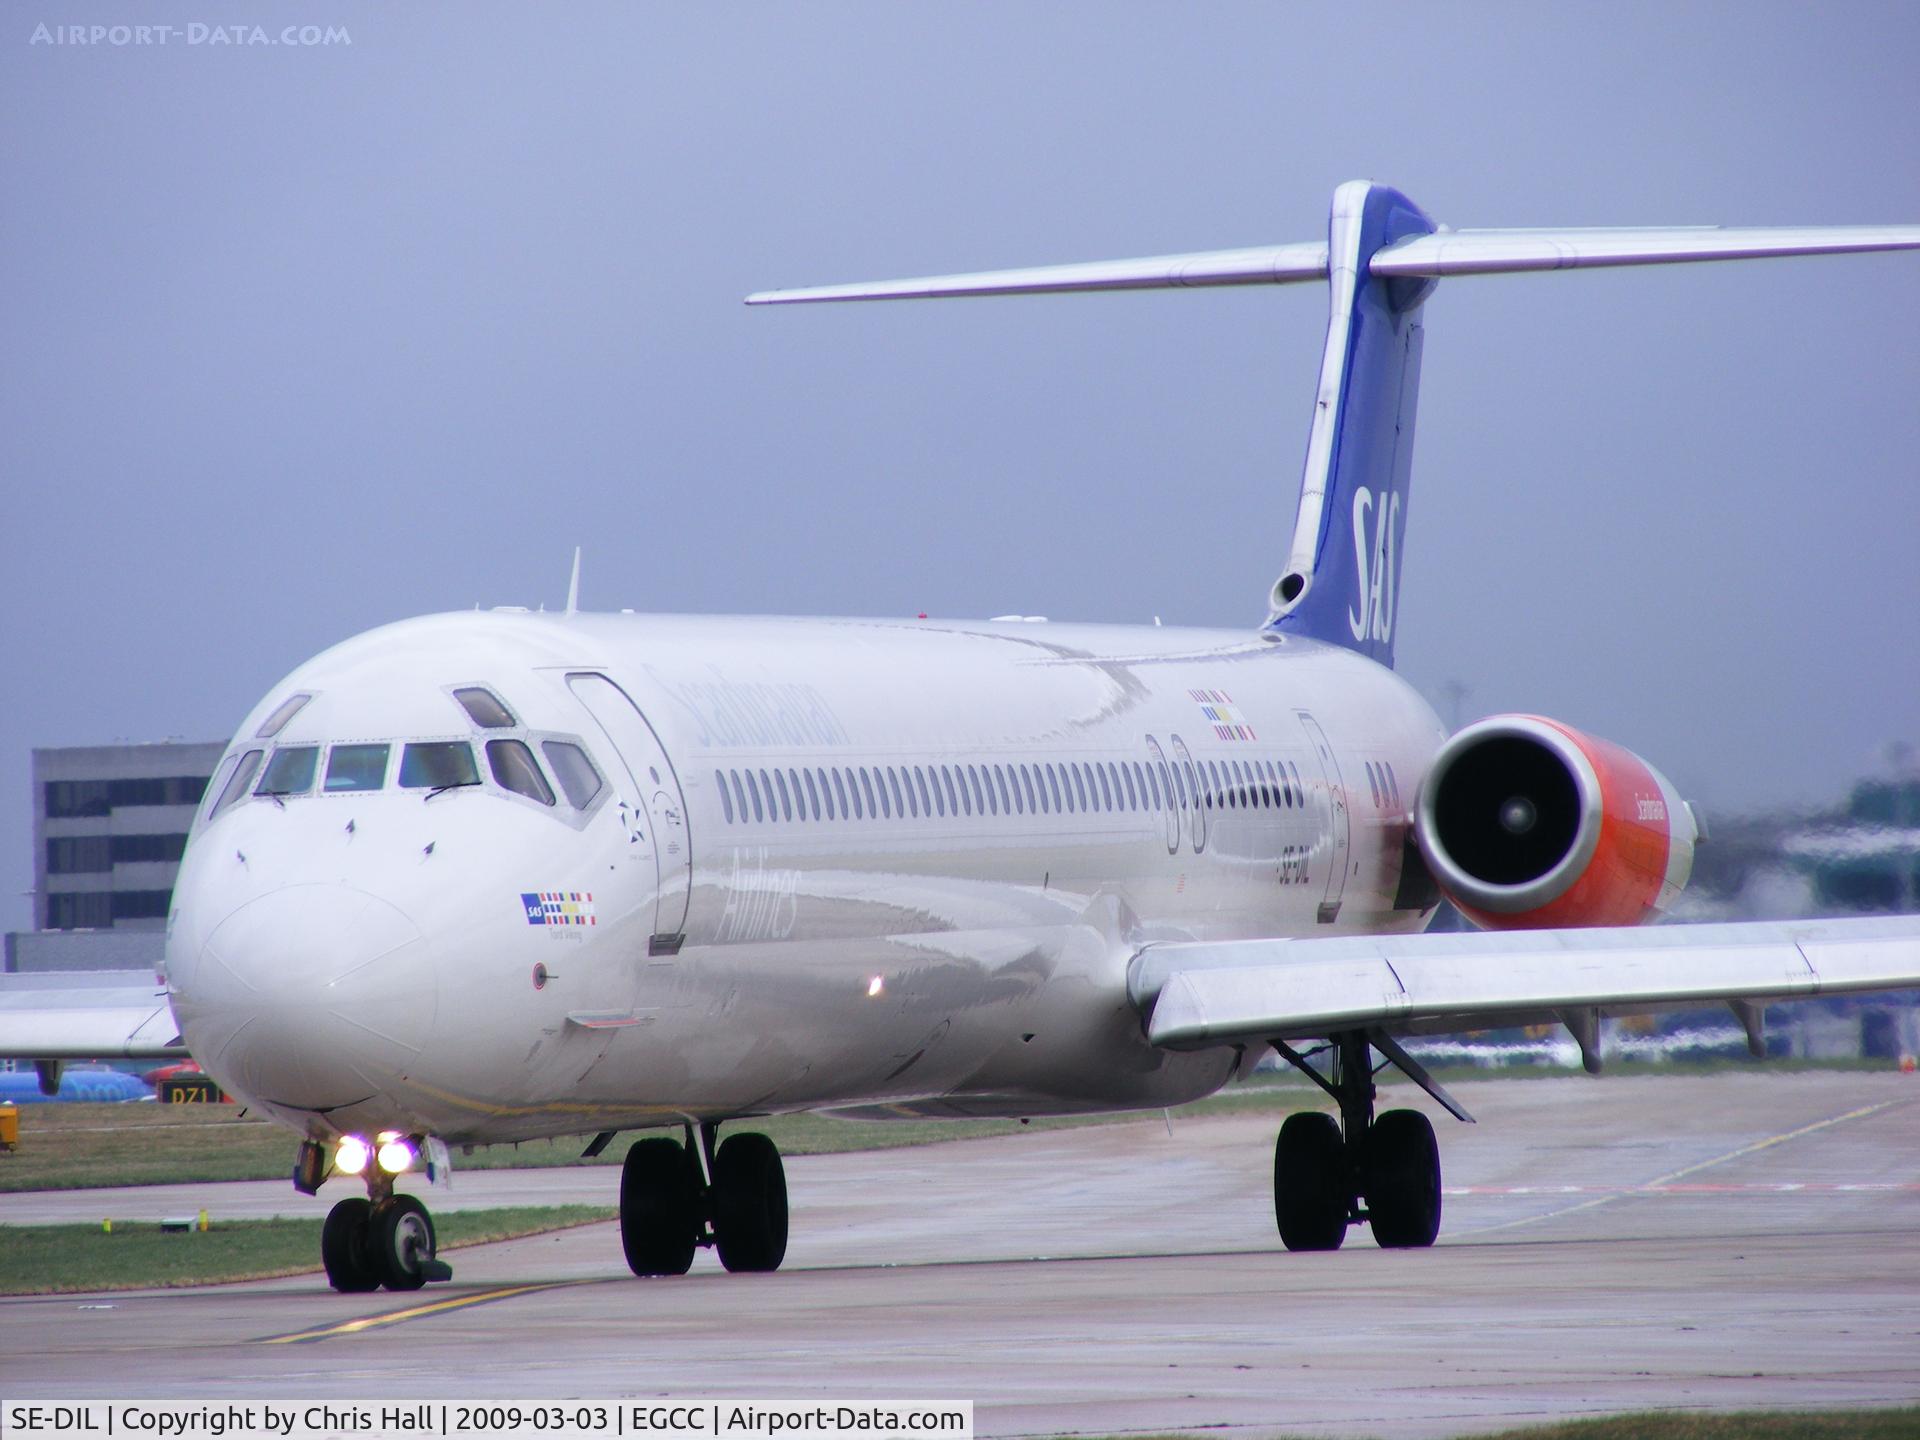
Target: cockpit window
{"points": [[485, 707], [515, 769], [437, 765], [282, 713], [290, 772], [355, 767], [574, 771], [236, 786]]}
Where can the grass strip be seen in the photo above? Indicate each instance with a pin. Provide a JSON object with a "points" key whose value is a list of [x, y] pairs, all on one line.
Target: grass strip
{"points": [[1900, 1424], [137, 1254]]}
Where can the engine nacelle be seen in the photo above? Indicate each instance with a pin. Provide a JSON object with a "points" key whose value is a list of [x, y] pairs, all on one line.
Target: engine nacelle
{"points": [[1528, 824]]}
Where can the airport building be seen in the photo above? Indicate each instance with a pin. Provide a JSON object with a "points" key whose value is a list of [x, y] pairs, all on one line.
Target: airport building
{"points": [[109, 826]]}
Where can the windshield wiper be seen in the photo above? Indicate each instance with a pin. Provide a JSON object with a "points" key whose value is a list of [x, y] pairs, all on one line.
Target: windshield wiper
{"points": [[276, 796], [453, 785]]}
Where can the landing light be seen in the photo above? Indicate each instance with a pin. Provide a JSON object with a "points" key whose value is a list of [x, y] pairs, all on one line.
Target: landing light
{"points": [[396, 1154], [351, 1155], [875, 986]]}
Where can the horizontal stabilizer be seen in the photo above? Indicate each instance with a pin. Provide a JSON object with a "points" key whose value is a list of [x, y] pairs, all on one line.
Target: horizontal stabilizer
{"points": [[1498, 252], [1267, 265], [1225, 992], [1445, 252]]}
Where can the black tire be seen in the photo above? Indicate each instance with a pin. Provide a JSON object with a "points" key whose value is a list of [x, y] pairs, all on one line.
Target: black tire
{"points": [[659, 1208], [1402, 1178], [346, 1247], [1310, 1183], [749, 1204], [402, 1242]]}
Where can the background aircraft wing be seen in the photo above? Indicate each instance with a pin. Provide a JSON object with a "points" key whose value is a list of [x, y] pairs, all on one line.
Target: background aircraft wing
{"points": [[104, 1015], [1221, 992]]}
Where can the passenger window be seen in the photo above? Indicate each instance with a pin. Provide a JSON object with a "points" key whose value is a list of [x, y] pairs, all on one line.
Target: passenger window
{"points": [[786, 804], [1079, 774], [866, 788], [840, 793], [853, 789], [513, 766], [753, 794], [1000, 781], [290, 772], [1053, 788], [739, 796], [813, 794], [893, 784], [1299, 790], [1023, 777], [726, 800], [1373, 785], [483, 707], [1393, 784], [442, 764], [283, 712], [242, 777], [920, 783]]}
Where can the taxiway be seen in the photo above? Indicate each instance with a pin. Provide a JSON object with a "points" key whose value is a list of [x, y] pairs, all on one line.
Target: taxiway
{"points": [[1747, 1240]]}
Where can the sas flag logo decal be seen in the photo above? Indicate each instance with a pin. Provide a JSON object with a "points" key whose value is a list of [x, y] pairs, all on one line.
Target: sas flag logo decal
{"points": [[559, 907], [1227, 722]]}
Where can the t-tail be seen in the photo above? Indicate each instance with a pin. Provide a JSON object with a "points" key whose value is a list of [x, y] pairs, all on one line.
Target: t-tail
{"points": [[1382, 257]]}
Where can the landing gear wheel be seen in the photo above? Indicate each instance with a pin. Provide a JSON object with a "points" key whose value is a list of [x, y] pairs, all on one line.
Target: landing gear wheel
{"points": [[659, 1208], [749, 1203], [1401, 1176], [1310, 1184], [346, 1247], [402, 1242]]}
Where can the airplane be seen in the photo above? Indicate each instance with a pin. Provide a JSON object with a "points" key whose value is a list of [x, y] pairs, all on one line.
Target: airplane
{"points": [[487, 877]]}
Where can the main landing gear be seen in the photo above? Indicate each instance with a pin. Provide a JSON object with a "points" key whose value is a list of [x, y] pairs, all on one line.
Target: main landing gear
{"points": [[670, 1204], [1383, 1170], [386, 1239]]}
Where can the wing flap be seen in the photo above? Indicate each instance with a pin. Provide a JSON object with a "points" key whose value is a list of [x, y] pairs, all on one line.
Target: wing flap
{"points": [[1221, 993]]}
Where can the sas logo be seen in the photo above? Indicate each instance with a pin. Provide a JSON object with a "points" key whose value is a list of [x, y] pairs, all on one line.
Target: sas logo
{"points": [[559, 907], [1375, 565]]}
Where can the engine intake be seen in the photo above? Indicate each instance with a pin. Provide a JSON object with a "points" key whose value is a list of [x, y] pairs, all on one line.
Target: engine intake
{"points": [[1528, 824]]}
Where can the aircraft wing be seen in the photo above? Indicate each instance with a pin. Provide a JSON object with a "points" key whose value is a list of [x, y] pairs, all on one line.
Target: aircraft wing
{"points": [[1202, 994], [104, 1015]]}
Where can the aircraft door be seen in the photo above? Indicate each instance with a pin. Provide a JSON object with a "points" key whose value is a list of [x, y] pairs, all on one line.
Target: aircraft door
{"points": [[1161, 779], [1337, 819], [651, 795]]}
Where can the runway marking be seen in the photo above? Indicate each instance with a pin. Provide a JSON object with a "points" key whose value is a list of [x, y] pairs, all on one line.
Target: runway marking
{"points": [[1656, 1184], [415, 1312], [1775, 1187]]}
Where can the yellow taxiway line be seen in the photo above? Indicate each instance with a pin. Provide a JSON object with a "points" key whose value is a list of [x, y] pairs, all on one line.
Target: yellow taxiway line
{"points": [[414, 1312]]}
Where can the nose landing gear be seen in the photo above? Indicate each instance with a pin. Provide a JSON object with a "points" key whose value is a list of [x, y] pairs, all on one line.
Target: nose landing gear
{"points": [[669, 1207], [386, 1239]]}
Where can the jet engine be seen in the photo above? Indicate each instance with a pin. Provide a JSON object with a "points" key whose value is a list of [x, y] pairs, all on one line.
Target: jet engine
{"points": [[1528, 824]]}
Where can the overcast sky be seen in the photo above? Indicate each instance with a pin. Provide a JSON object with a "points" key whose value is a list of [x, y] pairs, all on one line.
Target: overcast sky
{"points": [[299, 339]]}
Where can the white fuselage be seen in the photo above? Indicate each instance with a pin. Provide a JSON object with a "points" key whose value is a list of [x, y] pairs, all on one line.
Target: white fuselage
{"points": [[885, 867]]}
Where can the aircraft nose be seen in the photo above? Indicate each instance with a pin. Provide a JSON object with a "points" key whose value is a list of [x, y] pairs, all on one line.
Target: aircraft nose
{"points": [[309, 996]]}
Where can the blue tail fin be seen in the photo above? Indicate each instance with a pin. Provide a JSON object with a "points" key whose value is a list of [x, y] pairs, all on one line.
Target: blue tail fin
{"points": [[1342, 582]]}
